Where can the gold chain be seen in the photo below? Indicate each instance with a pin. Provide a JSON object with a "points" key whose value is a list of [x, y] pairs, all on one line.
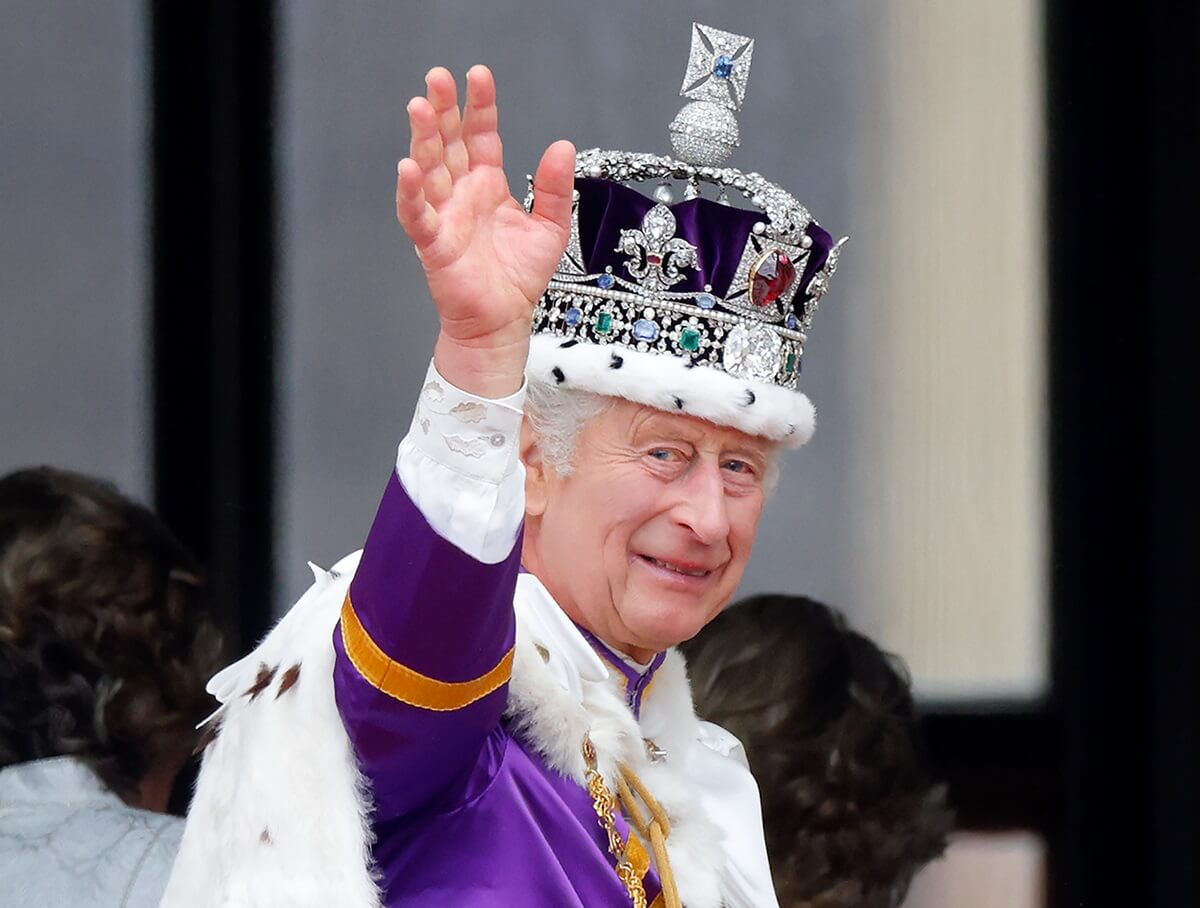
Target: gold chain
{"points": [[604, 803]]}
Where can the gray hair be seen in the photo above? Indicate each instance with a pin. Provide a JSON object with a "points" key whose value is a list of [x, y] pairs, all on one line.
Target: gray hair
{"points": [[558, 415]]}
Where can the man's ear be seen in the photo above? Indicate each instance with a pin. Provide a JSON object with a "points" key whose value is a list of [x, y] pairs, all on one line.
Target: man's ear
{"points": [[536, 472]]}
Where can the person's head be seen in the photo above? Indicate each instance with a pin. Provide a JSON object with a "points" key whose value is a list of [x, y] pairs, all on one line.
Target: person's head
{"points": [[105, 639], [830, 730], [639, 521]]}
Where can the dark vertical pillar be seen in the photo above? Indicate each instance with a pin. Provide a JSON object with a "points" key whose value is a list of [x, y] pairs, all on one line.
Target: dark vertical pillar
{"points": [[1124, 295], [213, 256], [1171, 274]]}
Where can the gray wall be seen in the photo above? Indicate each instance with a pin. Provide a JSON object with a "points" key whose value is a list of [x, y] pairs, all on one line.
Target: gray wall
{"points": [[72, 248], [358, 326]]}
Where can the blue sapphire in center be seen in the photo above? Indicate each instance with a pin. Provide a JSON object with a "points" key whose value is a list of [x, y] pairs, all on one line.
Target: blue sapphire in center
{"points": [[645, 330]]}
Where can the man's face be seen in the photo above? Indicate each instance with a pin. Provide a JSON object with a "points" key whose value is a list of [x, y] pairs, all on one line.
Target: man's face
{"points": [[646, 540]]}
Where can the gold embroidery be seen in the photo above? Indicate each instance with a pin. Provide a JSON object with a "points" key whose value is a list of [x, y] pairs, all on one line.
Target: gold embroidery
{"points": [[408, 686], [635, 851]]}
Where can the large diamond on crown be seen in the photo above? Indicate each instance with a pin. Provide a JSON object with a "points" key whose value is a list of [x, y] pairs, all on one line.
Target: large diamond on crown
{"points": [[752, 351]]}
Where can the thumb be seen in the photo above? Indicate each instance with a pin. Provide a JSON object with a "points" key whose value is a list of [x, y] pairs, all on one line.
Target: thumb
{"points": [[554, 185]]}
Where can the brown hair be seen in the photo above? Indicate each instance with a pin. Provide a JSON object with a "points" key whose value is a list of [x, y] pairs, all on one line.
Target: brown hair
{"points": [[105, 637], [831, 733]]}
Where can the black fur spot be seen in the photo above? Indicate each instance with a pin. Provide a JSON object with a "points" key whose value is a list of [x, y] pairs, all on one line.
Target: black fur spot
{"points": [[690, 364], [678, 402], [558, 375], [616, 362], [567, 345], [750, 398]]}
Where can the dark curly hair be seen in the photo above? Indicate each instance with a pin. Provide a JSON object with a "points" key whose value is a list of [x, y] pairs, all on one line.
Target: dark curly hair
{"points": [[105, 637], [831, 734]]}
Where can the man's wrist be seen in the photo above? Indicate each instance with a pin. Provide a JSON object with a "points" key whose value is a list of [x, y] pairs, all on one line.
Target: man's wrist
{"points": [[491, 368]]}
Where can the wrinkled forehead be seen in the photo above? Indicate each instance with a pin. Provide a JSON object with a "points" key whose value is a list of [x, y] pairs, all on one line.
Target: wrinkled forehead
{"points": [[638, 423]]}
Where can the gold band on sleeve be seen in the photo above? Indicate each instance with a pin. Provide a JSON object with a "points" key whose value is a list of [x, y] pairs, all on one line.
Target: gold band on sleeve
{"points": [[409, 686]]}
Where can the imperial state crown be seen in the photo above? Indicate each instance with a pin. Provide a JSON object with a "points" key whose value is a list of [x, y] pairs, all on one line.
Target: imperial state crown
{"points": [[696, 306]]}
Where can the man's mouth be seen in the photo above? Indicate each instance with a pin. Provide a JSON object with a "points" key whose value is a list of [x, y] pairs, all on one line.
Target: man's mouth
{"points": [[687, 570]]}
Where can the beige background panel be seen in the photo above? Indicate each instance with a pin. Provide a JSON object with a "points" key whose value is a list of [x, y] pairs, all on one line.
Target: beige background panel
{"points": [[948, 482], [984, 871]]}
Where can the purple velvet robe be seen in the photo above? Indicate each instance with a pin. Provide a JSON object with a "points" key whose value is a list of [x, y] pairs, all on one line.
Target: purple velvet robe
{"points": [[465, 815]]}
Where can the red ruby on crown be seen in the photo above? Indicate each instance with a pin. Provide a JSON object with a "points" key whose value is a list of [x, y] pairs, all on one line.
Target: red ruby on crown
{"points": [[770, 277]]}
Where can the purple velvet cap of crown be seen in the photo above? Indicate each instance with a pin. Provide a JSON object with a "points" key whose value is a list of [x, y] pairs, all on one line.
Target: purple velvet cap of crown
{"points": [[719, 233]]}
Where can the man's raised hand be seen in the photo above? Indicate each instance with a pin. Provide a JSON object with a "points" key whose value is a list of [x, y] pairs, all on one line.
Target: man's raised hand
{"points": [[485, 259]]}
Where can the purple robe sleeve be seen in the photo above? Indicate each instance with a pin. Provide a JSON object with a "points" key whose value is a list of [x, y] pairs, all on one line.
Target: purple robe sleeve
{"points": [[424, 653]]}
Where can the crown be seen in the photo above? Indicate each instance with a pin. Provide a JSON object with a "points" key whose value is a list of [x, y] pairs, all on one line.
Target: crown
{"points": [[658, 288]]}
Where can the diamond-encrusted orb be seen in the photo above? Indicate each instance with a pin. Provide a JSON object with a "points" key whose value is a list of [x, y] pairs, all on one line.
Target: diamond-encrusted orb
{"points": [[706, 301], [605, 281], [770, 277], [645, 330], [752, 352], [722, 66], [704, 133]]}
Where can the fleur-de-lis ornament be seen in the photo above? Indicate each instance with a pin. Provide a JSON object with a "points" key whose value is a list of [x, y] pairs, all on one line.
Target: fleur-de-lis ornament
{"points": [[656, 254]]}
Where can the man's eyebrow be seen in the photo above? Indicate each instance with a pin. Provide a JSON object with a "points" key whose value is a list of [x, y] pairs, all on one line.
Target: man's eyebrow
{"points": [[667, 430]]}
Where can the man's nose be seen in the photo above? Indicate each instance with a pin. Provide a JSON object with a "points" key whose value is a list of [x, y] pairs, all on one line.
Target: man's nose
{"points": [[703, 506]]}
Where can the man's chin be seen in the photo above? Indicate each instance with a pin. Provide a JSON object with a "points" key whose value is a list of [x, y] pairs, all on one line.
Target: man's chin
{"points": [[662, 625]]}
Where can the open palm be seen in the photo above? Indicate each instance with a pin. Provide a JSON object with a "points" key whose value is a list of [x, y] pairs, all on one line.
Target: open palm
{"points": [[486, 260]]}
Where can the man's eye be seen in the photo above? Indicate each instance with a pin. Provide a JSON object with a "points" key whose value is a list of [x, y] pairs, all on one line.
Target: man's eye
{"points": [[738, 466], [662, 454]]}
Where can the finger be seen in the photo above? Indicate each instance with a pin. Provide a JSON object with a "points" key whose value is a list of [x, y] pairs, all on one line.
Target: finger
{"points": [[415, 214], [425, 149], [443, 95], [554, 185], [480, 119]]}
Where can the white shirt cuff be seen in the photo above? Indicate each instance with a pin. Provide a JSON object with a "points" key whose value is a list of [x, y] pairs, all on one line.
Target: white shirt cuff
{"points": [[460, 465]]}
